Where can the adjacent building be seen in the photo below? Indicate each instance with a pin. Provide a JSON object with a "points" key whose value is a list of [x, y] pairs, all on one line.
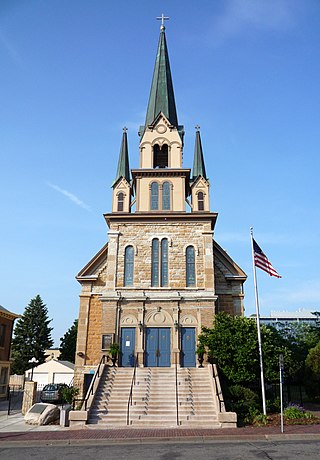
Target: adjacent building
{"points": [[6, 329], [281, 318]]}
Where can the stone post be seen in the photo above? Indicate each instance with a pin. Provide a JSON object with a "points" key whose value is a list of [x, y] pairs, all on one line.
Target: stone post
{"points": [[29, 396]]}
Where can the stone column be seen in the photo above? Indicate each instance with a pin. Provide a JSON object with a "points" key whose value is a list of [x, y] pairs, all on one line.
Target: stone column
{"points": [[29, 396]]}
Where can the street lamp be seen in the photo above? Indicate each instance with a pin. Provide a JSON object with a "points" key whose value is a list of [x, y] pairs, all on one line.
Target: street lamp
{"points": [[33, 361]]}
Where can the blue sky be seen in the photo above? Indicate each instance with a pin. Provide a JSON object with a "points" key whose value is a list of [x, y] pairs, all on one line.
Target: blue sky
{"points": [[74, 73]]}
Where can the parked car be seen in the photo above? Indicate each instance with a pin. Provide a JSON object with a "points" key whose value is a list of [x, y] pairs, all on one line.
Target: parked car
{"points": [[52, 393]]}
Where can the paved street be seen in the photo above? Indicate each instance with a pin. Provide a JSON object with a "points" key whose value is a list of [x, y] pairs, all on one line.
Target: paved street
{"points": [[166, 450]]}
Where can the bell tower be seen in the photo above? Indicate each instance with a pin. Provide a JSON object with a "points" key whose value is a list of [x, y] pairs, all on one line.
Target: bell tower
{"points": [[161, 183]]}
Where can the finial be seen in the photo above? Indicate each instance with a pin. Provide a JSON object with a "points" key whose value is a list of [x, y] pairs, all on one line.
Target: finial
{"points": [[125, 129], [197, 127], [163, 18]]}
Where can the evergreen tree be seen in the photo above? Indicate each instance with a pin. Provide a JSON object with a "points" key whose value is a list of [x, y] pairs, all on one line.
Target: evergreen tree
{"points": [[68, 343], [32, 336]]}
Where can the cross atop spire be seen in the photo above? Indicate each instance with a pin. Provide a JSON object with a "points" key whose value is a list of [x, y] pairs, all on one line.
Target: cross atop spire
{"points": [[163, 18]]}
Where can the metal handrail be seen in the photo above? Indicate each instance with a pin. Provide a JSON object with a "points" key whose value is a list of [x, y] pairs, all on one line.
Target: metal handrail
{"points": [[133, 382], [177, 393], [96, 375], [218, 390]]}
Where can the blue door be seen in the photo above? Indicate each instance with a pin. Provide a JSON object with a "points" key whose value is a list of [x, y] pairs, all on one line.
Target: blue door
{"points": [[157, 347], [188, 347], [128, 335]]}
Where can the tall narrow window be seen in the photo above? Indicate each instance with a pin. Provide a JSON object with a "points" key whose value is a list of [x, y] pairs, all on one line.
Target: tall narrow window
{"points": [[128, 266], [190, 267], [200, 201], [154, 196], [164, 262], [166, 196], [155, 262], [120, 201]]}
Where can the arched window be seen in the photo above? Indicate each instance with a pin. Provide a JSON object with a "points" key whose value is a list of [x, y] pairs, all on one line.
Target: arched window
{"points": [[128, 266], [159, 263], [166, 196], [154, 196], [164, 262], [190, 267], [155, 262], [160, 156], [120, 201], [200, 201]]}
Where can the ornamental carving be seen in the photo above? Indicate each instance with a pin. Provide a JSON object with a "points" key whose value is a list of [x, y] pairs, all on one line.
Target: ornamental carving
{"points": [[188, 320], [158, 318], [128, 320], [161, 129]]}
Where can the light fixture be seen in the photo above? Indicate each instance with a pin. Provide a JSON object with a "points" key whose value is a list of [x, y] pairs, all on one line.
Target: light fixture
{"points": [[140, 326], [176, 324]]}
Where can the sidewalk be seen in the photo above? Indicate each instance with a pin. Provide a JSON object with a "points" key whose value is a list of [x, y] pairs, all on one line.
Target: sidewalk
{"points": [[14, 430]]}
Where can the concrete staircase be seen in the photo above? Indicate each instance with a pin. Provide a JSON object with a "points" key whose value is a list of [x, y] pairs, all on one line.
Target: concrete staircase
{"points": [[154, 398]]}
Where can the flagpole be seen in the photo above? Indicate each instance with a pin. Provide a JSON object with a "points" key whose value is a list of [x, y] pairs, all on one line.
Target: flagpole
{"points": [[258, 327]]}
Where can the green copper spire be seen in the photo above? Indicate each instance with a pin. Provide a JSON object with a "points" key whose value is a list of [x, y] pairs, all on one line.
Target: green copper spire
{"points": [[199, 168], [161, 95], [123, 163]]}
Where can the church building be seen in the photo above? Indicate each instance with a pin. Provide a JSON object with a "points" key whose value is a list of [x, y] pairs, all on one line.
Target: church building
{"points": [[161, 276]]}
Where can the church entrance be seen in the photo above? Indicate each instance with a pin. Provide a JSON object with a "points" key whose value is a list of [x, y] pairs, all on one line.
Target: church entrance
{"points": [[128, 335], [157, 351], [188, 347]]}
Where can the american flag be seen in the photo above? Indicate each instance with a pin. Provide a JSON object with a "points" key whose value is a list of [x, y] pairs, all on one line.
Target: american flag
{"points": [[261, 261]]}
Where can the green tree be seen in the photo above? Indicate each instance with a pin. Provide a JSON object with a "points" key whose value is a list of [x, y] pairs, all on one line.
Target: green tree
{"points": [[313, 361], [300, 338], [234, 345], [32, 336], [68, 343]]}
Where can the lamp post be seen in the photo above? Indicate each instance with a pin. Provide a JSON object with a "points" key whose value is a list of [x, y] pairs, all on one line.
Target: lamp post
{"points": [[33, 361]]}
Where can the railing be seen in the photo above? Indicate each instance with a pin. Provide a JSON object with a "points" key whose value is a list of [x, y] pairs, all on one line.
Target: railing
{"points": [[133, 382], [218, 388], [177, 386], [90, 391], [14, 400]]}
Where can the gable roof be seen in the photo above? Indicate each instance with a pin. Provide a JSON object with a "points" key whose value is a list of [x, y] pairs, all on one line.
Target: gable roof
{"points": [[235, 272], [90, 271], [8, 314]]}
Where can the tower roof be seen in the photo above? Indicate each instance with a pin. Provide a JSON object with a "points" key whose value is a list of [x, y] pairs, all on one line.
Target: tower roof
{"points": [[161, 97], [199, 168], [123, 163]]}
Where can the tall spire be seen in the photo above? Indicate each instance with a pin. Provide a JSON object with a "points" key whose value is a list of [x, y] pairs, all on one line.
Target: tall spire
{"points": [[123, 163], [161, 97], [199, 168]]}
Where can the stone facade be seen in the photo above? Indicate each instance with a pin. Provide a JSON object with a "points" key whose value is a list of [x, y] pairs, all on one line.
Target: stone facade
{"points": [[161, 272]]}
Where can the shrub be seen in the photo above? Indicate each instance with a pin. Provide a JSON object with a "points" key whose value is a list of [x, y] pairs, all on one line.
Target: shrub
{"points": [[243, 401], [69, 394], [293, 412], [273, 405], [259, 419]]}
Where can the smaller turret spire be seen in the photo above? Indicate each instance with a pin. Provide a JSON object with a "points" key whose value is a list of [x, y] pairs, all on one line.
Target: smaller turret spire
{"points": [[123, 163], [199, 168]]}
